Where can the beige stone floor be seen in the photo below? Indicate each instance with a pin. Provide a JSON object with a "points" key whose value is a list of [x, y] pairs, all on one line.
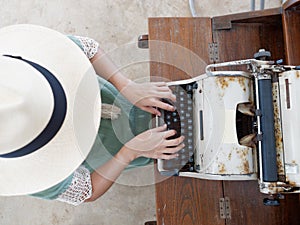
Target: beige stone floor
{"points": [[116, 24]]}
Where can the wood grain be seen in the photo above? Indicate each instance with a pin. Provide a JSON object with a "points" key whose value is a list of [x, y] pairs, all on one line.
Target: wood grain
{"points": [[182, 201], [179, 50], [291, 27]]}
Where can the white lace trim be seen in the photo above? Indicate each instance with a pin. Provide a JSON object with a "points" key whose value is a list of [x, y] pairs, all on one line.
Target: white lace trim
{"points": [[80, 189], [90, 48], [89, 45]]}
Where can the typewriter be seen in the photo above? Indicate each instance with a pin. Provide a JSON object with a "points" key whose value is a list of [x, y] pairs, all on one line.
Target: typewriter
{"points": [[239, 125]]}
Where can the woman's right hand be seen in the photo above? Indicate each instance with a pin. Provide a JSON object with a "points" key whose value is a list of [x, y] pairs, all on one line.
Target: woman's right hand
{"points": [[154, 143]]}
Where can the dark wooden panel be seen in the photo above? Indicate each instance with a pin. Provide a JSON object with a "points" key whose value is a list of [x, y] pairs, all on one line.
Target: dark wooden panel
{"points": [[266, 16], [188, 201], [290, 4], [179, 47], [291, 27], [247, 206], [249, 38]]}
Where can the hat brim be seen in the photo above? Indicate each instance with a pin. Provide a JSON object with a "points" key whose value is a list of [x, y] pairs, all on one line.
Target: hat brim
{"points": [[60, 157]]}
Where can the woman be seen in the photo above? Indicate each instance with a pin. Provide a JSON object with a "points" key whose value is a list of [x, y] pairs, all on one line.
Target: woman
{"points": [[124, 139]]}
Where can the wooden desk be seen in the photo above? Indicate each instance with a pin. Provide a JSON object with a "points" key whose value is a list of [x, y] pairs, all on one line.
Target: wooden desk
{"points": [[181, 48]]}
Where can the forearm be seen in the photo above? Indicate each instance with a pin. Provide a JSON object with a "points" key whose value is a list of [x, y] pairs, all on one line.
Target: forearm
{"points": [[105, 68], [104, 176]]}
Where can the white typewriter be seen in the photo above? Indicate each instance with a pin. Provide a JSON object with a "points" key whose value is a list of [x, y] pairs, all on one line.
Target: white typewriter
{"points": [[239, 125]]}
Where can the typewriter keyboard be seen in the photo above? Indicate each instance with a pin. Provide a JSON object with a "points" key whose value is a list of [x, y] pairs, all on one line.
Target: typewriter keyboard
{"points": [[182, 121]]}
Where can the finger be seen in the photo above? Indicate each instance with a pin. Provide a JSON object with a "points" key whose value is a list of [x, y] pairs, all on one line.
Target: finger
{"points": [[173, 150], [174, 142], [169, 133], [160, 128], [163, 105], [167, 95], [151, 110], [160, 84], [168, 157], [163, 89]]}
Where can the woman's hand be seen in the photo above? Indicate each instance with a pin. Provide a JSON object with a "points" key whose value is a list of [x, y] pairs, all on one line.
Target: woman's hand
{"points": [[148, 96], [154, 143]]}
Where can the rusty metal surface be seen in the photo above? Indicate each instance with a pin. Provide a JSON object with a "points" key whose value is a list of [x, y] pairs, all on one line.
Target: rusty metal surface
{"points": [[224, 81], [278, 132]]}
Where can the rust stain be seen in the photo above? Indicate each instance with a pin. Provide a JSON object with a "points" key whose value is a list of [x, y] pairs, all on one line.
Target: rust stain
{"points": [[292, 183], [244, 167], [278, 131], [242, 153], [222, 169], [297, 74], [229, 156], [272, 188], [224, 81], [241, 81], [280, 165]]}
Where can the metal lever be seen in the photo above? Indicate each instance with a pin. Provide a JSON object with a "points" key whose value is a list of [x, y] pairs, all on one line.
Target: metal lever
{"points": [[271, 202], [143, 41]]}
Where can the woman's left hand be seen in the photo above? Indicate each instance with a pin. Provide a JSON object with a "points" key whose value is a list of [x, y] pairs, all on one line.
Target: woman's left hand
{"points": [[154, 143], [148, 96]]}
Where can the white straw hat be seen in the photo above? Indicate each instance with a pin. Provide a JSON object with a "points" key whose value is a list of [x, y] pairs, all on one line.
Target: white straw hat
{"points": [[49, 108]]}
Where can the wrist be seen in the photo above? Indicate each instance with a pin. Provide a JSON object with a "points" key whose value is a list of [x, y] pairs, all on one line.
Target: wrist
{"points": [[126, 155], [120, 81]]}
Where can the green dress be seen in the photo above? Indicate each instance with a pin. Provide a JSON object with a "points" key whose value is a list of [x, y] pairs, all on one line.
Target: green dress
{"points": [[112, 134]]}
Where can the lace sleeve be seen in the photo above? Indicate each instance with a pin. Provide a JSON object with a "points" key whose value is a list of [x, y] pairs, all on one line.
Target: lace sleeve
{"points": [[80, 188], [89, 45]]}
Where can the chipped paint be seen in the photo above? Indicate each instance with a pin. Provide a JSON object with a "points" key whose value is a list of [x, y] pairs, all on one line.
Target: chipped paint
{"points": [[278, 130], [270, 188], [243, 155], [222, 169], [292, 183], [246, 167], [225, 81]]}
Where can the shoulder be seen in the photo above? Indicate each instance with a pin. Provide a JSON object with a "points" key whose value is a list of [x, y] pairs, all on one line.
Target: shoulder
{"points": [[73, 190], [88, 45]]}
